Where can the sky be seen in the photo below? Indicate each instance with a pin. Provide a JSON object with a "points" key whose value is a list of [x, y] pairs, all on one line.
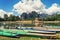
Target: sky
{"points": [[7, 5], [19, 6], [48, 3]]}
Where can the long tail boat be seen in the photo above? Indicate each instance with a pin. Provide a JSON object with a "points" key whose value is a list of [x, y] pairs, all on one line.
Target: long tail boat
{"points": [[9, 34]]}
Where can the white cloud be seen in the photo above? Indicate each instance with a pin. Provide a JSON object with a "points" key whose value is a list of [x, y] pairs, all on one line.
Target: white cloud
{"points": [[35, 5], [29, 5], [53, 9], [2, 12]]}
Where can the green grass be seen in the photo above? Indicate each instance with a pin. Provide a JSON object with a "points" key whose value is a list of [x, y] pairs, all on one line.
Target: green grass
{"points": [[22, 38]]}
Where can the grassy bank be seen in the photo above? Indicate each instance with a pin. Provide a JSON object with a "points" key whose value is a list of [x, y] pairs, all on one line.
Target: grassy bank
{"points": [[22, 38]]}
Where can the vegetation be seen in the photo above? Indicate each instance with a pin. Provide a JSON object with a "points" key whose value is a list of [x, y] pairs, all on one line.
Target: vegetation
{"points": [[24, 16], [54, 17], [31, 16], [22, 38], [10, 18]]}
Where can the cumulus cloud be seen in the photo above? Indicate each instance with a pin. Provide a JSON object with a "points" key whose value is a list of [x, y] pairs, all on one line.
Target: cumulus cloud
{"points": [[35, 5], [53, 9], [2, 12], [29, 5]]}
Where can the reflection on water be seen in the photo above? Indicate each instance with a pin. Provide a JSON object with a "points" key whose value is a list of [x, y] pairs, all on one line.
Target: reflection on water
{"points": [[52, 26], [14, 25]]}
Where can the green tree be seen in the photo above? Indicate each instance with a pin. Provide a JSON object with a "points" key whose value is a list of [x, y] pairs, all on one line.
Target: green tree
{"points": [[53, 17], [13, 18], [5, 17], [1, 19], [17, 18]]}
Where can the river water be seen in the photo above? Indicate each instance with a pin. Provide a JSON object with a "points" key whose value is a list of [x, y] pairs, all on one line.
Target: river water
{"points": [[14, 25], [52, 26]]}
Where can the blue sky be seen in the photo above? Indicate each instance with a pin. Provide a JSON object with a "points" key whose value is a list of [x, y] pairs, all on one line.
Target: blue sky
{"points": [[7, 5], [48, 3]]}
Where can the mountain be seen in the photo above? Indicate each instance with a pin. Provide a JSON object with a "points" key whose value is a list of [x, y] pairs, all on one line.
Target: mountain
{"points": [[43, 15]]}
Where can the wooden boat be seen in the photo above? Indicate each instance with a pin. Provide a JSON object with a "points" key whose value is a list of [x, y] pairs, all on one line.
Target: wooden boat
{"points": [[36, 34], [43, 32], [32, 30], [47, 29], [17, 33]]}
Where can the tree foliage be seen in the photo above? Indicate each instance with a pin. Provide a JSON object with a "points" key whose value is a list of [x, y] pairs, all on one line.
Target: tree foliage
{"points": [[31, 16], [10, 18]]}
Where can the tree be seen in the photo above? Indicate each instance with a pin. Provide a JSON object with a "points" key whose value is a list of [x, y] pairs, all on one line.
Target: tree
{"points": [[17, 18], [1, 19], [5, 17], [53, 17], [13, 18]]}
